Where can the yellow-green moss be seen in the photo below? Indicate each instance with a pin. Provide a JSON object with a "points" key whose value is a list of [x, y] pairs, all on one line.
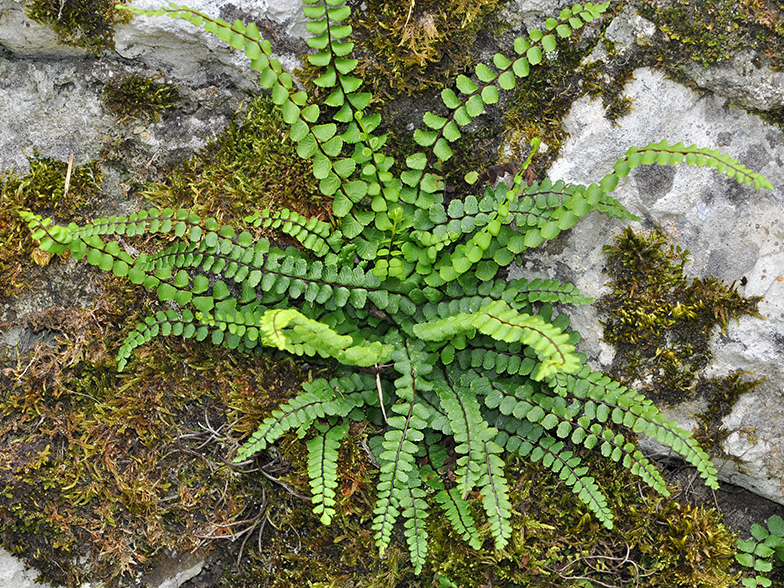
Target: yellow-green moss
{"points": [[41, 190], [661, 325], [409, 46], [82, 23], [707, 31], [136, 96], [556, 542], [131, 465], [253, 166]]}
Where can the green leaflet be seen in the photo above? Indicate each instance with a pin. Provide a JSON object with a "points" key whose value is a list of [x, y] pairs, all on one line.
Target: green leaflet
{"points": [[399, 293], [323, 468], [503, 323]]}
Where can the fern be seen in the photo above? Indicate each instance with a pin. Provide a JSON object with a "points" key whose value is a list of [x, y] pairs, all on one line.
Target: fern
{"points": [[403, 296], [323, 468]]}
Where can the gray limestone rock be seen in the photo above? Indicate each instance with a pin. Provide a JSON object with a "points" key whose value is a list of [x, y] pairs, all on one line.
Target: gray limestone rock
{"points": [[732, 231], [746, 79], [25, 37]]}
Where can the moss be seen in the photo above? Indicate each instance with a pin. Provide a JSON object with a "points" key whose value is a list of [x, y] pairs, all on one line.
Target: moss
{"points": [[42, 190], [253, 166], [131, 465], [82, 23], [661, 325], [722, 394], [556, 542], [408, 47], [136, 96], [708, 31]]}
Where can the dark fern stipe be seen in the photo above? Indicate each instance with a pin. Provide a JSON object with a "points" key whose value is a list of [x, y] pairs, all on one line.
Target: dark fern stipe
{"points": [[404, 298]]}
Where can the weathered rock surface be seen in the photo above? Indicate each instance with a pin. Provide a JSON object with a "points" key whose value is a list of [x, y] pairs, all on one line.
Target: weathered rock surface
{"points": [[189, 53], [732, 231], [746, 79], [26, 38]]}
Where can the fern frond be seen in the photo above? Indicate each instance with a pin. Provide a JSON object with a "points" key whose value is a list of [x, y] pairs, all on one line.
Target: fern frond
{"points": [[314, 235], [414, 511], [454, 505], [319, 398], [663, 153], [503, 323], [495, 494], [396, 467], [290, 330], [323, 468], [528, 440], [164, 324], [469, 430], [606, 400]]}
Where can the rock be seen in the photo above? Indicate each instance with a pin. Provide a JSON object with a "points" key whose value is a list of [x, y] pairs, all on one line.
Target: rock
{"points": [[26, 38], [56, 108], [732, 231], [187, 52], [171, 572], [13, 573], [626, 31], [746, 79]]}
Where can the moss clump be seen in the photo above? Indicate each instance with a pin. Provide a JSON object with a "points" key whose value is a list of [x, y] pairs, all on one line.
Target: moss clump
{"points": [[707, 31], [136, 96], [556, 542], [661, 325], [42, 189], [411, 46], [82, 23], [722, 394], [253, 166], [124, 468]]}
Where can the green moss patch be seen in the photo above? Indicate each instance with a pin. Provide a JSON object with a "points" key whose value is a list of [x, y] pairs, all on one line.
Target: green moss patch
{"points": [[136, 96], [253, 166], [81, 23], [707, 31], [42, 189], [408, 47], [661, 325], [656, 542]]}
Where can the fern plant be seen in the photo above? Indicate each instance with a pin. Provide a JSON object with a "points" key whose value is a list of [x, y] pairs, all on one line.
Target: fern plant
{"points": [[763, 551], [406, 298]]}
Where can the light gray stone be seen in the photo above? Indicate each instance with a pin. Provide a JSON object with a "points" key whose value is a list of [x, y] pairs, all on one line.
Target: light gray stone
{"points": [[746, 79], [628, 30], [54, 106], [13, 573], [187, 52], [732, 231], [26, 38]]}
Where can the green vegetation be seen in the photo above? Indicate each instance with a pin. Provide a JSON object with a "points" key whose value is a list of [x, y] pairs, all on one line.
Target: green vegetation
{"points": [[82, 23], [165, 429], [42, 189], [252, 166], [762, 552], [404, 300], [136, 96], [407, 47], [707, 31], [661, 325]]}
